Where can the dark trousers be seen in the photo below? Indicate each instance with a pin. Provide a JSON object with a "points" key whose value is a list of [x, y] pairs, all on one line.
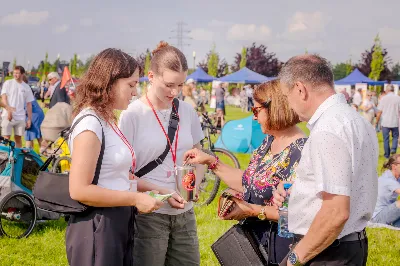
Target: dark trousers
{"points": [[352, 253], [386, 142], [104, 236], [250, 103]]}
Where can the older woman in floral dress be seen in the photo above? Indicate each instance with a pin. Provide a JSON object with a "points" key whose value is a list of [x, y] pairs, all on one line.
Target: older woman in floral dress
{"points": [[274, 161]]}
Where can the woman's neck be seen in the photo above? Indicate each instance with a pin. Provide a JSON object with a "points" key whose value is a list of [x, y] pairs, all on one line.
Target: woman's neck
{"points": [[157, 103], [288, 133]]}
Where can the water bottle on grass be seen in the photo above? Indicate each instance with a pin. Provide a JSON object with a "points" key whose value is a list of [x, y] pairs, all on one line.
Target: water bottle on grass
{"points": [[283, 229]]}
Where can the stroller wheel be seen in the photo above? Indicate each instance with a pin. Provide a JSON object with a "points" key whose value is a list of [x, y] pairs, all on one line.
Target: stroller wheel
{"points": [[18, 215]]}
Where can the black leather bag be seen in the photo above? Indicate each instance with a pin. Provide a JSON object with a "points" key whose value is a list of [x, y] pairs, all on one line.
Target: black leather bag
{"points": [[51, 190], [240, 246]]}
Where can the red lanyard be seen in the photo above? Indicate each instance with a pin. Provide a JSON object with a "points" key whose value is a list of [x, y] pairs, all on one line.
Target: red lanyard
{"points": [[126, 142], [165, 133]]}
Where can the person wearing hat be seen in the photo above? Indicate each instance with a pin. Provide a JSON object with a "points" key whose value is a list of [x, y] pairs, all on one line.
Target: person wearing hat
{"points": [[58, 94]]}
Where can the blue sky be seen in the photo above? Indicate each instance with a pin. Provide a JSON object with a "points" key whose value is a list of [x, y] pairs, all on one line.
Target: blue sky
{"points": [[336, 29]]}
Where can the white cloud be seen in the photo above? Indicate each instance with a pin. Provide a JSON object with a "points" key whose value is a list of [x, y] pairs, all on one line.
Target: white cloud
{"points": [[25, 18], [201, 34], [314, 22], [245, 32], [61, 29], [86, 22]]}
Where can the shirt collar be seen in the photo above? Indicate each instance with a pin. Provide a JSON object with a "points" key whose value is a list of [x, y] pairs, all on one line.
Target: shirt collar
{"points": [[388, 174], [337, 98], [56, 84]]}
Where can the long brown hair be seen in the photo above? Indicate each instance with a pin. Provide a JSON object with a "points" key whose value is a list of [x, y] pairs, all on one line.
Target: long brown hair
{"points": [[168, 57], [280, 115], [95, 88], [391, 161]]}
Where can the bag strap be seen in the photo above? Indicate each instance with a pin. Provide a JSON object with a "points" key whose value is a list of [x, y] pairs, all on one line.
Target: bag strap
{"points": [[173, 126], [103, 147]]}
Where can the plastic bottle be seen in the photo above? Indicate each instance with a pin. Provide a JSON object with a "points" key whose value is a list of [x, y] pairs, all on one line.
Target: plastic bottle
{"points": [[283, 229]]}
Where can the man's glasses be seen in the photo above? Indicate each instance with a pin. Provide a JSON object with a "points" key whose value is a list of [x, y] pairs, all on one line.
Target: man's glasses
{"points": [[256, 110]]}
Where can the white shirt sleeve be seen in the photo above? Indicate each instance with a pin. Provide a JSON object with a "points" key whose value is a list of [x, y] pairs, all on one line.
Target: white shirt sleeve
{"points": [[127, 125], [6, 87], [28, 94], [89, 123], [197, 132], [332, 164]]}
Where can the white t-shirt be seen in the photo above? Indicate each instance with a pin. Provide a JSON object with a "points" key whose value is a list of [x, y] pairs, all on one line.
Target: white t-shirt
{"points": [[117, 159], [390, 107], [140, 126], [18, 94], [340, 157]]}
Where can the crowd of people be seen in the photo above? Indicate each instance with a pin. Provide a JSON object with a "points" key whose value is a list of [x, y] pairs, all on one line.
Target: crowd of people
{"points": [[335, 190]]}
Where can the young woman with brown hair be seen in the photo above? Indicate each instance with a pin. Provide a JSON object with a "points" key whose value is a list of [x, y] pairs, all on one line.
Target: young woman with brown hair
{"points": [[167, 236], [103, 236]]}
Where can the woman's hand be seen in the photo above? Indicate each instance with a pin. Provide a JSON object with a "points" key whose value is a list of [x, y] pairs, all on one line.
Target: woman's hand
{"points": [[280, 194], [175, 201], [241, 210], [146, 204], [196, 156]]}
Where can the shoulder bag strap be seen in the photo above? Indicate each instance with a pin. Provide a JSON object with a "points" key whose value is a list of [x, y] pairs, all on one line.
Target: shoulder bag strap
{"points": [[173, 126], [103, 146]]}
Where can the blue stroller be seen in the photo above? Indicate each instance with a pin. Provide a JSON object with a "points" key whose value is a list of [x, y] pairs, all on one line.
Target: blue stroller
{"points": [[19, 169]]}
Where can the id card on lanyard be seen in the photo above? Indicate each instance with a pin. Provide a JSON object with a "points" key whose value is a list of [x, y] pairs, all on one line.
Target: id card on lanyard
{"points": [[170, 174]]}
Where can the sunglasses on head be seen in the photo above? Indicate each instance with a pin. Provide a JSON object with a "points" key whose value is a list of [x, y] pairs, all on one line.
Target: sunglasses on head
{"points": [[256, 110]]}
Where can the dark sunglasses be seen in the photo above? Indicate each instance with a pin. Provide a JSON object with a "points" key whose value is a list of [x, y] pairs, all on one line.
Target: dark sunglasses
{"points": [[256, 110]]}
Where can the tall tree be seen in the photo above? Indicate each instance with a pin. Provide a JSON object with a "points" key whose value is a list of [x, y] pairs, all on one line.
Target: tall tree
{"points": [[259, 60], [340, 71], [14, 63], [365, 64], [46, 64], [213, 62], [147, 63], [396, 71], [243, 60], [349, 67], [53, 67], [377, 63]]}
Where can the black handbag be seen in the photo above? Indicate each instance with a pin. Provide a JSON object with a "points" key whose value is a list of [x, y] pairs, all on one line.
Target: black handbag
{"points": [[173, 126], [51, 190], [240, 246]]}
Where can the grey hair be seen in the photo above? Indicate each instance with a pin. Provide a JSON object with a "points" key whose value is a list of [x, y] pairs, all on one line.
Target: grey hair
{"points": [[312, 69], [390, 88]]}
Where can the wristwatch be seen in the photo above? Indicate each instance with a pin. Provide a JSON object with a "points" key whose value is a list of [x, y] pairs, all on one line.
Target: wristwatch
{"points": [[294, 259], [262, 215]]}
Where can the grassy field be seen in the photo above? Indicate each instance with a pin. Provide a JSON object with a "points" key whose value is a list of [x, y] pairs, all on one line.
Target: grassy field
{"points": [[46, 244]]}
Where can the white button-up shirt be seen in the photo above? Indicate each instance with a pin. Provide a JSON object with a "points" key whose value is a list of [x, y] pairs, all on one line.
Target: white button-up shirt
{"points": [[390, 107], [340, 157]]}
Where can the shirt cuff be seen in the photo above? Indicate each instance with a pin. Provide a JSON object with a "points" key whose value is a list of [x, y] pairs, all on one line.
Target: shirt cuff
{"points": [[333, 189]]}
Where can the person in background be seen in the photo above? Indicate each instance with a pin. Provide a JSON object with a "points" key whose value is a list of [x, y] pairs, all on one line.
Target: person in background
{"points": [[57, 94], [389, 110], [346, 95], [334, 194], [368, 107], [195, 95], [104, 234], [374, 99], [167, 236], [37, 118], [243, 100], [387, 210], [357, 97], [15, 95], [220, 98], [187, 93], [249, 93], [274, 161]]}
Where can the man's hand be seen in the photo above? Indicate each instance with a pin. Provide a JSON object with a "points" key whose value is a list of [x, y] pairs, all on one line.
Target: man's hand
{"points": [[9, 116], [28, 124]]}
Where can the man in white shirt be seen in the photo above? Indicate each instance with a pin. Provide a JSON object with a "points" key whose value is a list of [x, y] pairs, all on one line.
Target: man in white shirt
{"points": [[335, 192], [357, 97], [15, 95], [389, 110]]}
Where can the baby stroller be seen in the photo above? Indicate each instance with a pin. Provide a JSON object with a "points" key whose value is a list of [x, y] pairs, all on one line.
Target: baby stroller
{"points": [[19, 169]]}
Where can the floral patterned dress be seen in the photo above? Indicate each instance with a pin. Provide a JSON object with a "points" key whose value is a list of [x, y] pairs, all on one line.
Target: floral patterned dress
{"points": [[264, 172]]}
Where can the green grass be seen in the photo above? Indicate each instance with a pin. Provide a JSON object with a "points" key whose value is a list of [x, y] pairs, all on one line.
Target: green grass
{"points": [[46, 245]]}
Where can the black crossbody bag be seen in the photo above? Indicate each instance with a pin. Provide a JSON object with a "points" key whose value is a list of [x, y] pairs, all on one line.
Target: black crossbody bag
{"points": [[240, 245], [51, 190], [172, 127]]}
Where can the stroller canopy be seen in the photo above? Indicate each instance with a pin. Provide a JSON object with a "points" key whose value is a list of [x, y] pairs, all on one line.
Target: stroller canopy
{"points": [[241, 136]]}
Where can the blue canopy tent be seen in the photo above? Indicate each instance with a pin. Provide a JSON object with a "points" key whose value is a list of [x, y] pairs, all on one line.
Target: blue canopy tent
{"points": [[245, 75], [357, 77], [144, 79], [241, 136], [200, 76]]}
